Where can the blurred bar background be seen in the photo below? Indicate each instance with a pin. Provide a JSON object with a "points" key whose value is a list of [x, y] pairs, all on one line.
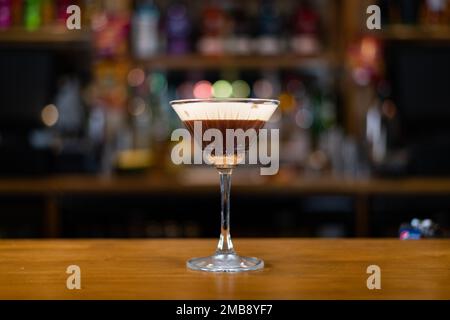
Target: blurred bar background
{"points": [[85, 121]]}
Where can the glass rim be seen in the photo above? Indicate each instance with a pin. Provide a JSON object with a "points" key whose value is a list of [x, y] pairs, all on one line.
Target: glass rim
{"points": [[244, 100]]}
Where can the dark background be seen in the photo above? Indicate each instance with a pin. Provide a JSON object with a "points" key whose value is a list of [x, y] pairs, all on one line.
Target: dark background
{"points": [[85, 120]]}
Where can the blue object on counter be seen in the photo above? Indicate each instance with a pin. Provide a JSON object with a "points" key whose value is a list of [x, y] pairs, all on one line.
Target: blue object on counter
{"points": [[418, 229], [410, 233]]}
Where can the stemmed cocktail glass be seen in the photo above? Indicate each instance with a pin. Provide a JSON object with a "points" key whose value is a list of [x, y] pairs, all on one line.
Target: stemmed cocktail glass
{"points": [[223, 114]]}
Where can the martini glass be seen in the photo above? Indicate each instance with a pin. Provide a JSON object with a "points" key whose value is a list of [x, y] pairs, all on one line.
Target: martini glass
{"points": [[223, 114]]}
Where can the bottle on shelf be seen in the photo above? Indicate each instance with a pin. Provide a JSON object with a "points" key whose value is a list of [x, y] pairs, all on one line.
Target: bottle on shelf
{"points": [[61, 11], [89, 8], [239, 41], [32, 16], [145, 30], [5, 14], [17, 8], [213, 25], [111, 29], [48, 12], [178, 29], [436, 12], [292, 120], [269, 41], [306, 28]]}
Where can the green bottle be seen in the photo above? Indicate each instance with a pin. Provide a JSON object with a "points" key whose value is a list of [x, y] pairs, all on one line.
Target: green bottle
{"points": [[32, 14]]}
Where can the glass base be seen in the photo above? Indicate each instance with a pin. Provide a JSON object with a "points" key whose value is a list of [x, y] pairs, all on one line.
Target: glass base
{"points": [[229, 262]]}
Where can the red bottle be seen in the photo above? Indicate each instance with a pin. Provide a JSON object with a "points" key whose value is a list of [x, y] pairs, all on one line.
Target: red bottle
{"points": [[306, 25], [213, 27]]}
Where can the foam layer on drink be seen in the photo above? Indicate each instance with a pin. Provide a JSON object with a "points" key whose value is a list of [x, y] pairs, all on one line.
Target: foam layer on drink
{"points": [[190, 111]]}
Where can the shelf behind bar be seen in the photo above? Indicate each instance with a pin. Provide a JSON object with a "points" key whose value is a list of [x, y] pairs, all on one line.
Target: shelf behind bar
{"points": [[197, 61], [399, 32], [44, 35], [57, 36], [158, 184]]}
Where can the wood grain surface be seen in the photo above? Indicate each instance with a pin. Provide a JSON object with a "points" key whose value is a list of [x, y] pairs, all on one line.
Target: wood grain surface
{"points": [[155, 269]]}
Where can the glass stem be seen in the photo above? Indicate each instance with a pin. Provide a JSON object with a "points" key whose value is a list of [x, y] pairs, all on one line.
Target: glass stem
{"points": [[225, 246]]}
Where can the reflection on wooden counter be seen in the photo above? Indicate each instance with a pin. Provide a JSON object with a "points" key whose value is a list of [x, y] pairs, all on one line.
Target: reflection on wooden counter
{"points": [[155, 269]]}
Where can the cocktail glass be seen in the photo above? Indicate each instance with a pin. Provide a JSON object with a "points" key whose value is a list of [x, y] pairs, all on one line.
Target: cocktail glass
{"points": [[223, 114]]}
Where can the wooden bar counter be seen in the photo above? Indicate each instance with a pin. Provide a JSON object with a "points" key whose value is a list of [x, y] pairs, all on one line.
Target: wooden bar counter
{"points": [[155, 269]]}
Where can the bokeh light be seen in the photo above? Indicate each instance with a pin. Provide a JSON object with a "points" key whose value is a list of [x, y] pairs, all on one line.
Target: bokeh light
{"points": [[203, 90], [185, 90], [295, 86], [361, 76], [389, 109], [287, 101], [369, 50], [158, 82], [222, 89], [263, 89], [50, 115], [136, 77], [137, 106], [241, 89], [304, 118]]}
